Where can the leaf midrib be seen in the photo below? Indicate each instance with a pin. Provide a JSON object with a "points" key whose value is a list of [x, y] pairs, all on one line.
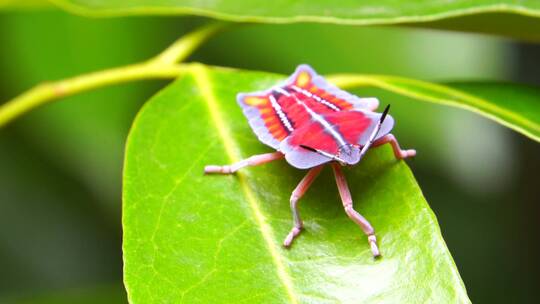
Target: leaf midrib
{"points": [[202, 81]]}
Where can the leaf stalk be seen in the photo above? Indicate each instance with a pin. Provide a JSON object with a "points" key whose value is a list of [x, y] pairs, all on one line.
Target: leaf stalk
{"points": [[165, 65]]}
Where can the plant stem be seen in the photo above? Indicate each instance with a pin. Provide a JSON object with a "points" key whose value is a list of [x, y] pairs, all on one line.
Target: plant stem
{"points": [[185, 45], [163, 66], [48, 92]]}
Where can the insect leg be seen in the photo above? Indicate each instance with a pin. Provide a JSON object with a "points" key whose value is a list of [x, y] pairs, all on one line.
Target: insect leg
{"points": [[254, 160], [353, 214], [296, 195], [400, 154]]}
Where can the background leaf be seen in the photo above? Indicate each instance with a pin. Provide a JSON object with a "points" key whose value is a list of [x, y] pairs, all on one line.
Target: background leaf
{"points": [[65, 233], [516, 106], [506, 17], [195, 238], [519, 102]]}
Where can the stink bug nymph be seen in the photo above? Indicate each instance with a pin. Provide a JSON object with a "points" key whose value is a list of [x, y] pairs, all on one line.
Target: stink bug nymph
{"points": [[310, 123]]}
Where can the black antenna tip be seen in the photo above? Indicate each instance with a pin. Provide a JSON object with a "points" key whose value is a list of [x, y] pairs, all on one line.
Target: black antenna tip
{"points": [[309, 148], [384, 113]]}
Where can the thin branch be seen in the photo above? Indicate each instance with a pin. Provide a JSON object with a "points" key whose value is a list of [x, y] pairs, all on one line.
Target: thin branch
{"points": [[163, 66], [185, 45], [51, 91]]}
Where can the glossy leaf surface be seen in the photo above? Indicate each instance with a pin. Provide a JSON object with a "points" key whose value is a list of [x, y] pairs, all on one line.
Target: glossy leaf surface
{"points": [[519, 104], [197, 239], [506, 17]]}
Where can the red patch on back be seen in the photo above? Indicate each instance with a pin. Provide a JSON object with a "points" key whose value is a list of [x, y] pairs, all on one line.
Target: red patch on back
{"points": [[313, 135], [351, 125], [297, 113]]}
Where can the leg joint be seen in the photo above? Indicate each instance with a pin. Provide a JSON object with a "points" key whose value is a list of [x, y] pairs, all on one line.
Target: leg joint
{"points": [[360, 220], [294, 209], [350, 211], [294, 200]]}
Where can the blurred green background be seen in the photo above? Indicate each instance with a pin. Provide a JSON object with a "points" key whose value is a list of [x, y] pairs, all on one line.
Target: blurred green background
{"points": [[61, 165]]}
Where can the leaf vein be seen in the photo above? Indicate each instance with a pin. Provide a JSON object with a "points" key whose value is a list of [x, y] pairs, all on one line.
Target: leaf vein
{"points": [[203, 83]]}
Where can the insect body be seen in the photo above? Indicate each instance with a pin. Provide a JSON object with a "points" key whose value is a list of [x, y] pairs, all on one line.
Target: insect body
{"points": [[310, 123]]}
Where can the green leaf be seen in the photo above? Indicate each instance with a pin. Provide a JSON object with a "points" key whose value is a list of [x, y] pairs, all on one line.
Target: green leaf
{"points": [[506, 17], [199, 239], [516, 106]]}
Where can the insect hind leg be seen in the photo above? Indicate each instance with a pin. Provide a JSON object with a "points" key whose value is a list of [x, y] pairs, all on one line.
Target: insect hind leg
{"points": [[391, 139], [298, 192], [254, 160], [353, 214]]}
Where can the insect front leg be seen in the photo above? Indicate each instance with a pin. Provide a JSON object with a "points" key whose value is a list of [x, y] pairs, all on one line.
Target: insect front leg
{"points": [[298, 192], [353, 214], [400, 154], [254, 160]]}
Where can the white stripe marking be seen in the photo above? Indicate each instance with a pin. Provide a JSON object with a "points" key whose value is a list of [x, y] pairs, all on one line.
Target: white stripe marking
{"points": [[317, 98], [280, 113], [326, 125], [282, 91]]}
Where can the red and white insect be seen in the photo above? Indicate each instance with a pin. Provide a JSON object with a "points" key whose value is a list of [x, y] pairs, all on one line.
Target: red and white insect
{"points": [[311, 122]]}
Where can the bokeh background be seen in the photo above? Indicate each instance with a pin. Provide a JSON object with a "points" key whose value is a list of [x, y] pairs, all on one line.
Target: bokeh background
{"points": [[61, 165]]}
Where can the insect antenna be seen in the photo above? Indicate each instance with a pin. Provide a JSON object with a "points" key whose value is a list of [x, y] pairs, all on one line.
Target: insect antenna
{"points": [[326, 154], [375, 131]]}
